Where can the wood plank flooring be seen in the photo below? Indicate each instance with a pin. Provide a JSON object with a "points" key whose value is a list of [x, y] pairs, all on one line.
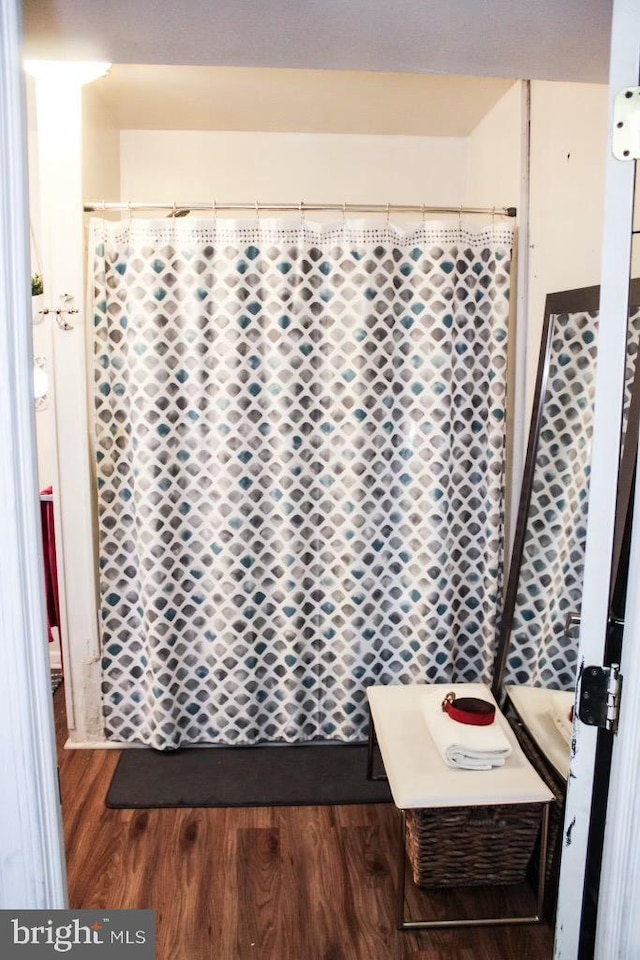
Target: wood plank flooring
{"points": [[282, 883]]}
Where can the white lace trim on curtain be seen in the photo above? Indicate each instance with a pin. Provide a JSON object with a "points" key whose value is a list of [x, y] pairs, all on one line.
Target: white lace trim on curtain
{"points": [[495, 233]]}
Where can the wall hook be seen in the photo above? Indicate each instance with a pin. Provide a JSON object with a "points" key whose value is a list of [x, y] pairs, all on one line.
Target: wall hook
{"points": [[62, 312]]}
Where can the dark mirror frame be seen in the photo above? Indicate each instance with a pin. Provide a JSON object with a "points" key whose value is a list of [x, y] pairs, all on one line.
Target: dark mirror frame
{"points": [[567, 301]]}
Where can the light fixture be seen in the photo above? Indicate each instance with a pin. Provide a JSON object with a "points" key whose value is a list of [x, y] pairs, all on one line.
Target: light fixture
{"points": [[76, 72]]}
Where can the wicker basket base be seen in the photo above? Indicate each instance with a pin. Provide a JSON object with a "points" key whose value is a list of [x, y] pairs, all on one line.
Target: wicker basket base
{"points": [[472, 846]]}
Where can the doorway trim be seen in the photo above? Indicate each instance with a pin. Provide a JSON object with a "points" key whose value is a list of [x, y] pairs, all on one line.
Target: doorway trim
{"points": [[618, 922], [614, 303], [32, 866]]}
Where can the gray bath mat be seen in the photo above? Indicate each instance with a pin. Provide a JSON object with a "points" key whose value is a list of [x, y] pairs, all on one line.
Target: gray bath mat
{"points": [[245, 777]]}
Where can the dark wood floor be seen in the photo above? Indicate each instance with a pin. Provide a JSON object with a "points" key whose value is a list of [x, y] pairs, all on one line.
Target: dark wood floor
{"points": [[287, 883]]}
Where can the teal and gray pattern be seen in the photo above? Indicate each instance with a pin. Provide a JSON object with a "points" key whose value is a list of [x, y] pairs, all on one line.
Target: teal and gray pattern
{"points": [[299, 449], [552, 567]]}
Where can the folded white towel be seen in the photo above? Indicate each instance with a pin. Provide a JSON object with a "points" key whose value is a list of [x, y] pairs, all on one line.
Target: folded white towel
{"points": [[560, 713], [462, 745]]}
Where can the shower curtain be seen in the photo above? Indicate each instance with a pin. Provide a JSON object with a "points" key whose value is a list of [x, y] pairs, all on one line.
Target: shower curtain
{"points": [[299, 452]]}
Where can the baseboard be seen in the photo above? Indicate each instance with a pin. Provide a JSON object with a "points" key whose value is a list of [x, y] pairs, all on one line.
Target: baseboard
{"points": [[101, 745]]}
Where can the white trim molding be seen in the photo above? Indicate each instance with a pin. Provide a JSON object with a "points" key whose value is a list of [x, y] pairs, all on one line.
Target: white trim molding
{"points": [[605, 454], [618, 924], [32, 872]]}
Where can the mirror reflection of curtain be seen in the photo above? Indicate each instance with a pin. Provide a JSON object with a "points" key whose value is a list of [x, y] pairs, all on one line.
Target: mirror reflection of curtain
{"points": [[300, 464], [541, 652]]}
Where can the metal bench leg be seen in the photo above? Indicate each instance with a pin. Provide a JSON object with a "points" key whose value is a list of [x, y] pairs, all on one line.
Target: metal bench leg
{"points": [[542, 864], [401, 925], [371, 744]]}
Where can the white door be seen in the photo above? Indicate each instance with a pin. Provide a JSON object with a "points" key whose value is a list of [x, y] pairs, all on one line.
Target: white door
{"points": [[618, 924], [32, 873]]}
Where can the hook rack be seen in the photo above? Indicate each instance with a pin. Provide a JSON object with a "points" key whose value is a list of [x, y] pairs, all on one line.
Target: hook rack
{"points": [[63, 312]]}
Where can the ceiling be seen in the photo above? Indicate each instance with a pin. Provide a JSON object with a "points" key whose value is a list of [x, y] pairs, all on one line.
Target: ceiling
{"points": [[536, 39], [302, 101]]}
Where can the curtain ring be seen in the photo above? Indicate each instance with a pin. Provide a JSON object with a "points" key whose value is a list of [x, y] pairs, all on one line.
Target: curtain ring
{"points": [[344, 214], [460, 218], [424, 212], [301, 210], [215, 213], [129, 209], [173, 210], [388, 215]]}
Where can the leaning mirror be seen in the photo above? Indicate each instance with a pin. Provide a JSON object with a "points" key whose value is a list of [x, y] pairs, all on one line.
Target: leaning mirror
{"points": [[536, 661]]}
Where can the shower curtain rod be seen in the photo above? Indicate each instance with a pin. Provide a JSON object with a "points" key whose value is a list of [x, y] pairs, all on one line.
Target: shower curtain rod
{"points": [[182, 209]]}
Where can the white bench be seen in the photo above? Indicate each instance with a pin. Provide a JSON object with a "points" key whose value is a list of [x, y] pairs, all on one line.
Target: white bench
{"points": [[420, 779]]}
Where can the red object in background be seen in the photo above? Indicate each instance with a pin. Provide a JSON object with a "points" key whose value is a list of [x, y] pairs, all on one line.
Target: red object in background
{"points": [[50, 565]]}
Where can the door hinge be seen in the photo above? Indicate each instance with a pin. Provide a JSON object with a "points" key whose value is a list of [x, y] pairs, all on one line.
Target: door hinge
{"points": [[599, 698], [625, 136]]}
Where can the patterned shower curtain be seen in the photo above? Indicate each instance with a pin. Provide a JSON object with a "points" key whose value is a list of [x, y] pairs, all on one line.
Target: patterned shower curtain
{"points": [[299, 450]]}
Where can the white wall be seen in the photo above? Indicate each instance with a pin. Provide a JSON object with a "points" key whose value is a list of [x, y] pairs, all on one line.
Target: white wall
{"points": [[289, 167], [568, 154], [101, 177], [45, 424], [494, 160], [495, 163], [568, 151], [63, 448], [100, 148]]}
